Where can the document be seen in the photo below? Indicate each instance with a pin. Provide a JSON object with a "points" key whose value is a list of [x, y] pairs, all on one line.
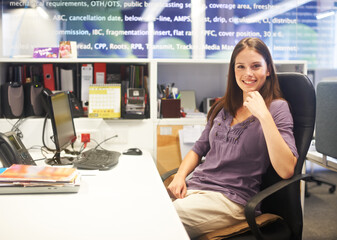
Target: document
{"points": [[192, 133], [187, 137], [188, 101], [86, 81]]}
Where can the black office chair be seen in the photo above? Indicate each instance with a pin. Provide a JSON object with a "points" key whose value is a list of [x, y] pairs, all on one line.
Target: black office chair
{"points": [[326, 128], [280, 199]]}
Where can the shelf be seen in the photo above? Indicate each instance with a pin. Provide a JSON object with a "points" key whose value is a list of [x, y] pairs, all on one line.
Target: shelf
{"points": [[73, 60], [180, 121], [207, 77]]}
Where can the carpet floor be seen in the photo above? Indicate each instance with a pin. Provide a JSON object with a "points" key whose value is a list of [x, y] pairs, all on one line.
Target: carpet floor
{"points": [[320, 208]]}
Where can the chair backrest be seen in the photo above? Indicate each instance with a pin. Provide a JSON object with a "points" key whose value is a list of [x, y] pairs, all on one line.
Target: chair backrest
{"points": [[299, 92], [326, 118]]}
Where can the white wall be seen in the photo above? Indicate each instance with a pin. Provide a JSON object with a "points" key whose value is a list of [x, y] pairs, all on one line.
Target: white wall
{"points": [[131, 133]]}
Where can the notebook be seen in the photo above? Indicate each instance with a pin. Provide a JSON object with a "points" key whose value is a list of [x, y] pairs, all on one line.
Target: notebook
{"points": [[19, 189], [19, 179]]}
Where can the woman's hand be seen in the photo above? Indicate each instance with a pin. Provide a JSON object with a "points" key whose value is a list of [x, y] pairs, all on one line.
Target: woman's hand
{"points": [[256, 104], [177, 188]]}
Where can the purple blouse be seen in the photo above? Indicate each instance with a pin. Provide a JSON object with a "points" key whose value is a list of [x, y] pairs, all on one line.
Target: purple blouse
{"points": [[236, 157]]}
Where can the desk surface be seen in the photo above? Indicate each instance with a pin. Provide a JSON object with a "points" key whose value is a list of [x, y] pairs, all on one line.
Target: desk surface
{"points": [[316, 157], [126, 202]]}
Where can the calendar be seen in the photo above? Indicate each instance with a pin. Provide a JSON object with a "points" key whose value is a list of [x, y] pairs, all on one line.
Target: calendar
{"points": [[104, 101]]}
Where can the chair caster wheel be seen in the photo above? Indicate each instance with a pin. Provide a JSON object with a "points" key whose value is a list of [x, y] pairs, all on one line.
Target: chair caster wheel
{"points": [[332, 189]]}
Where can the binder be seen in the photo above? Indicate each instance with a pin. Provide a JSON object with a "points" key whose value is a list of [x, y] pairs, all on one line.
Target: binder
{"points": [[141, 77], [86, 81], [137, 77], [105, 101], [57, 78], [48, 76], [10, 73], [24, 74], [18, 74], [67, 79], [99, 73], [132, 75]]}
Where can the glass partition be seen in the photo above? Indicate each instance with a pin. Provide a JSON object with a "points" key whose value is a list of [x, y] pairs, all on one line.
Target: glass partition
{"points": [[198, 29]]}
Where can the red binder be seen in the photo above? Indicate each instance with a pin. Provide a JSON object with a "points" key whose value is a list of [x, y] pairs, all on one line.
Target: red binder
{"points": [[99, 72], [48, 76]]}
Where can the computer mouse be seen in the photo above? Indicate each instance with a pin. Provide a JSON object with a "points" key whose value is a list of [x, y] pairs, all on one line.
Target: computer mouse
{"points": [[133, 151]]}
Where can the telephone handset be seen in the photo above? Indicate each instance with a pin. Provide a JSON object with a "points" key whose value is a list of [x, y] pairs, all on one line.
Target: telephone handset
{"points": [[12, 150]]}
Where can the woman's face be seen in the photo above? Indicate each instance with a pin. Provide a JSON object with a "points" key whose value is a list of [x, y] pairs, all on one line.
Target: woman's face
{"points": [[251, 71]]}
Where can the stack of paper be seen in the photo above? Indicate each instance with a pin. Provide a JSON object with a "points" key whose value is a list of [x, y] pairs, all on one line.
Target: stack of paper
{"points": [[39, 179]]}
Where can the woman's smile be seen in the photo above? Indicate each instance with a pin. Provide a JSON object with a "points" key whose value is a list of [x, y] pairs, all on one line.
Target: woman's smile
{"points": [[251, 70]]}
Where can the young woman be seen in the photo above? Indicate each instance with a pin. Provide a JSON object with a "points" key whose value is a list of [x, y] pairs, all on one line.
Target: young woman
{"points": [[247, 130]]}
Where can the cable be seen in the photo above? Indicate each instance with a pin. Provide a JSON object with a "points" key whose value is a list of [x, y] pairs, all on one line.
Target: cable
{"points": [[15, 127], [43, 132], [34, 147], [73, 151], [99, 144]]}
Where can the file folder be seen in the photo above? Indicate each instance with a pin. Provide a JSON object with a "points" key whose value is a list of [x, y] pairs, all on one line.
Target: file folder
{"points": [[67, 80], [86, 81], [99, 73], [48, 76]]}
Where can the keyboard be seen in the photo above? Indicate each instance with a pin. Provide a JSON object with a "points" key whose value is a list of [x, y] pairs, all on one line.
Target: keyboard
{"points": [[96, 159]]}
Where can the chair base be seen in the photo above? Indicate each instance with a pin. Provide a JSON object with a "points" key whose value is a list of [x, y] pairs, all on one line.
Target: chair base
{"points": [[319, 181]]}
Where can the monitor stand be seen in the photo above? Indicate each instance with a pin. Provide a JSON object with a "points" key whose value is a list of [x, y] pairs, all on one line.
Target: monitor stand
{"points": [[58, 160]]}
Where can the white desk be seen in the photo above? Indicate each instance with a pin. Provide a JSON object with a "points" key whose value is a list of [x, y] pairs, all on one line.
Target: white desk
{"points": [[126, 202], [328, 162]]}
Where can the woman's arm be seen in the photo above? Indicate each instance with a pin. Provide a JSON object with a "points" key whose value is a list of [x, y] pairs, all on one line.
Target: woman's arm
{"points": [[177, 187], [281, 157]]}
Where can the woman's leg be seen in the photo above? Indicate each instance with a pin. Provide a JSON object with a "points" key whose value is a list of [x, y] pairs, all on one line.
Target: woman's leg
{"points": [[205, 211]]}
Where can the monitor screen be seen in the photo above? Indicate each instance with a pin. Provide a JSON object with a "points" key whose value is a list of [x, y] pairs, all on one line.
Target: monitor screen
{"points": [[63, 125]]}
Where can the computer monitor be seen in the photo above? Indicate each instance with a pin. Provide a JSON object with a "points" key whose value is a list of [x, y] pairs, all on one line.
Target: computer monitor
{"points": [[62, 122]]}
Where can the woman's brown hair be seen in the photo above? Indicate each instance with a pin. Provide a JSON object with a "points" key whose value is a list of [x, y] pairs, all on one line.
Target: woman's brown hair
{"points": [[233, 98]]}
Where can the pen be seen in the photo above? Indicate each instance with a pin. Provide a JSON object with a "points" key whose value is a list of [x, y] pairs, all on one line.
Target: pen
{"points": [[167, 92]]}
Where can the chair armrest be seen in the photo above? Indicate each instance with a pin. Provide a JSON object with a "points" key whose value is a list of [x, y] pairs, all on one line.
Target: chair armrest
{"points": [[254, 201], [168, 174]]}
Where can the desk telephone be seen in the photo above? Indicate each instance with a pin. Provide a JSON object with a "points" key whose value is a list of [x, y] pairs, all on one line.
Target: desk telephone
{"points": [[12, 150]]}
